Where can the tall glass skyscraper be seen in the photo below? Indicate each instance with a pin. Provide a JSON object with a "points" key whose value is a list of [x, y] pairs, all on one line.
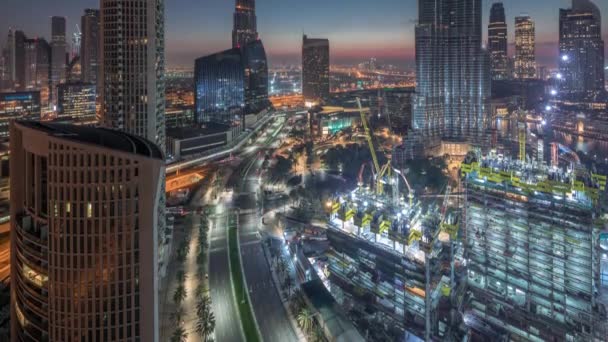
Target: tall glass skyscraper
{"points": [[231, 83], [581, 49], [497, 42], [452, 70], [58, 54], [245, 23], [89, 48], [315, 68], [525, 48]]}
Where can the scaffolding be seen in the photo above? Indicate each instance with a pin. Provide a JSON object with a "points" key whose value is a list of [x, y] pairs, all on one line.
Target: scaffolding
{"points": [[532, 249]]}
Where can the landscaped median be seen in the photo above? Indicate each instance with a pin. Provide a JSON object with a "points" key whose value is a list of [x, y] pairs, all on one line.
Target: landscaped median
{"points": [[241, 297]]}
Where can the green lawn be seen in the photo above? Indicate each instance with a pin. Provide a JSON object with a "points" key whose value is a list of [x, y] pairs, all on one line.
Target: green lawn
{"points": [[247, 319]]}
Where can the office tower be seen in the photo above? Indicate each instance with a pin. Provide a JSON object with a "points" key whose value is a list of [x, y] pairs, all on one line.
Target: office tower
{"points": [[219, 94], [132, 92], [19, 64], [315, 69], [534, 245], [525, 48], [37, 67], [245, 23], [76, 102], [10, 57], [581, 49], [18, 106], [133, 81], [256, 77], [451, 70], [58, 55], [83, 234], [497, 42], [231, 83], [89, 47], [76, 43]]}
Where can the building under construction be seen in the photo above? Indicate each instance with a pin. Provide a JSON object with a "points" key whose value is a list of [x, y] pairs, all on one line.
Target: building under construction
{"points": [[536, 251]]}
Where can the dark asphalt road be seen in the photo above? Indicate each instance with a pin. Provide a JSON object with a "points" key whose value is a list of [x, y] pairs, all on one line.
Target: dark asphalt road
{"points": [[227, 324], [269, 310]]}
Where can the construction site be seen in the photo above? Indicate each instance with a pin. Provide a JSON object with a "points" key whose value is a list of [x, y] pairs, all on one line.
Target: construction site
{"points": [[522, 255]]}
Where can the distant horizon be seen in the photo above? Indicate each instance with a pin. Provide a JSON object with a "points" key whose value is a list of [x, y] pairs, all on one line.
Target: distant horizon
{"points": [[357, 30]]}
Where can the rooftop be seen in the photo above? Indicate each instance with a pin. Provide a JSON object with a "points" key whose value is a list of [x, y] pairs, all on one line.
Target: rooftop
{"points": [[103, 137]]}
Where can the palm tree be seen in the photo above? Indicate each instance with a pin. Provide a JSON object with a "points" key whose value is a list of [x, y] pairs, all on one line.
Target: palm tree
{"points": [[179, 335], [288, 284], [181, 276], [177, 315], [179, 295], [205, 323], [305, 320]]}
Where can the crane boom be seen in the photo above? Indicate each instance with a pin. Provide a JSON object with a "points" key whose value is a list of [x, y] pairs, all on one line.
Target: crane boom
{"points": [[368, 137]]}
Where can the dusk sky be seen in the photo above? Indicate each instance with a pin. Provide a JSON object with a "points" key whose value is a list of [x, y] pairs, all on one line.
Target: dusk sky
{"points": [[357, 29]]}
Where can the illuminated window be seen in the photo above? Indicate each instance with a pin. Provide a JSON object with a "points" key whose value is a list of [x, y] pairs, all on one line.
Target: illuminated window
{"points": [[68, 207], [89, 210]]}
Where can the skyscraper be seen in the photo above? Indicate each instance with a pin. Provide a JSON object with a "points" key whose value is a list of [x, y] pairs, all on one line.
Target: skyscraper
{"points": [[83, 265], [581, 49], [19, 62], [497, 42], [231, 83], [525, 48], [133, 81], [37, 67], [315, 69], [76, 102], [89, 47], [245, 28], [10, 57], [452, 70], [132, 91], [58, 54]]}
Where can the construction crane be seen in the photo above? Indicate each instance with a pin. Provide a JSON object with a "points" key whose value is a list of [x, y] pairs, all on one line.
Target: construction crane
{"points": [[380, 171]]}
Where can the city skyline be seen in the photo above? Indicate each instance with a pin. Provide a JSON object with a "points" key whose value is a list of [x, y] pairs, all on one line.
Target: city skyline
{"points": [[384, 31]]}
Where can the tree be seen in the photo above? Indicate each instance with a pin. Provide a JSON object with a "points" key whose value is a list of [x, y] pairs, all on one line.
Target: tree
{"points": [[181, 276], [305, 320], [176, 316], [288, 284], [179, 295], [205, 323], [179, 335], [282, 264]]}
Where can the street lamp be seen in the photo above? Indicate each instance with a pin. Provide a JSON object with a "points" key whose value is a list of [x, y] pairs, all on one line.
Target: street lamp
{"points": [[559, 76], [553, 92], [565, 58], [548, 108]]}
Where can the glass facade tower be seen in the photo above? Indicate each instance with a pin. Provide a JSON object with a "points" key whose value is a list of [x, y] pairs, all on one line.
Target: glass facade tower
{"points": [[497, 42], [452, 70], [581, 49]]}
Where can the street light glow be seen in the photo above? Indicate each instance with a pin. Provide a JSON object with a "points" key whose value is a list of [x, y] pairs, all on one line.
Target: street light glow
{"points": [[559, 76], [548, 108], [565, 58], [553, 92]]}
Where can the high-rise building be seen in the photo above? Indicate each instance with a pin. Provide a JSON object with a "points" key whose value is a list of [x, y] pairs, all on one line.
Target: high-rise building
{"points": [[452, 71], [18, 106], [37, 67], [536, 251], [83, 236], [19, 62], [58, 54], [315, 69], [132, 92], [245, 23], [497, 42], [256, 76], [230, 84], [10, 57], [133, 81], [581, 49], [525, 48], [89, 47], [76, 102]]}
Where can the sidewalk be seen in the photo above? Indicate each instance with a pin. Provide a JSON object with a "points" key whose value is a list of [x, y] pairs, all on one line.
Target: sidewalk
{"points": [[277, 283]]}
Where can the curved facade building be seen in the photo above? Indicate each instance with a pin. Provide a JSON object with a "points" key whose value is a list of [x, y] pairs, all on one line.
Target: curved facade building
{"points": [[497, 42], [83, 242], [231, 83]]}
